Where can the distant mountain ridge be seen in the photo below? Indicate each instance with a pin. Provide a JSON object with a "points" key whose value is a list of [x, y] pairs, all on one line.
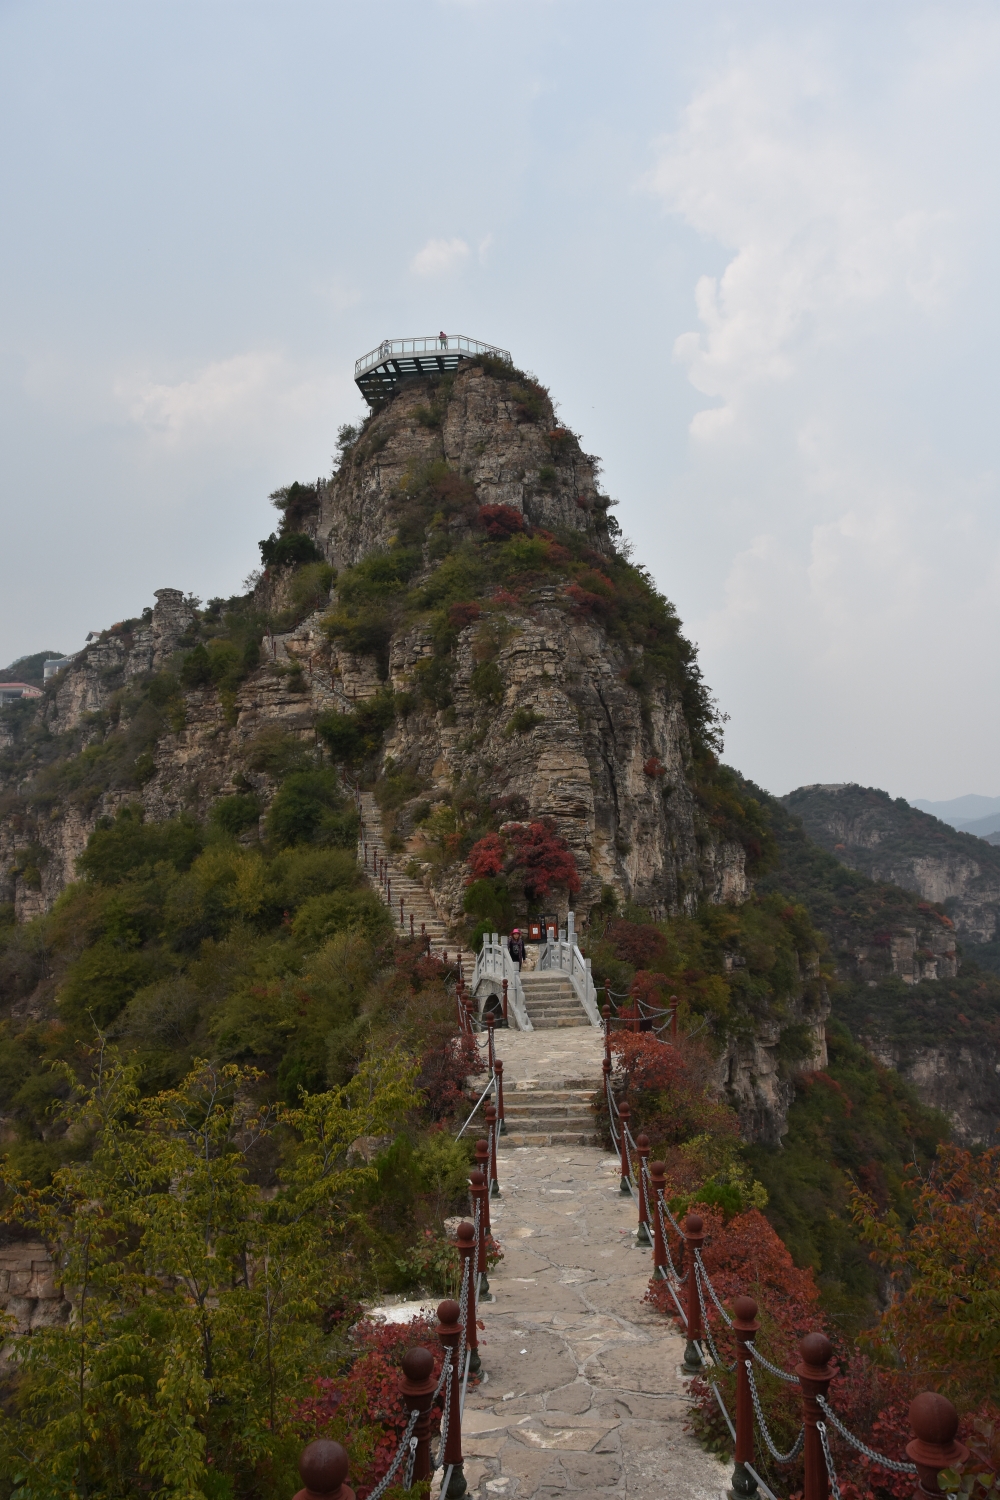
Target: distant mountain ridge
{"points": [[969, 814], [890, 840]]}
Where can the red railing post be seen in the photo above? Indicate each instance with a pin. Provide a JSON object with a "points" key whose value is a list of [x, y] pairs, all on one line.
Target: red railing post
{"points": [[642, 1146], [933, 1422], [501, 1124], [450, 1333], [490, 1044], [658, 1180], [505, 1021], [745, 1328], [491, 1120], [411, 927], [483, 1163], [673, 1018], [417, 1390], [693, 1239], [323, 1469], [624, 1115], [467, 1250], [479, 1198], [815, 1373], [401, 922], [606, 1013]]}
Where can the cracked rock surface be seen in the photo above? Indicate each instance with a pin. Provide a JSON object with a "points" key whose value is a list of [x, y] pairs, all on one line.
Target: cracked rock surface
{"points": [[584, 1392]]}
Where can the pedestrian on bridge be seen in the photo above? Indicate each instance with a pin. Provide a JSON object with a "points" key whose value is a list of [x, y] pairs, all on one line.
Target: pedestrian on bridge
{"points": [[516, 948]]}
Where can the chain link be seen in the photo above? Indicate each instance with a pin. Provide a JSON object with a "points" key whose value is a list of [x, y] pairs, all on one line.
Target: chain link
{"points": [[706, 1325], [386, 1480], [445, 1414], [879, 1458], [771, 1369], [828, 1457], [680, 1280], [410, 1462], [711, 1289], [795, 1449]]}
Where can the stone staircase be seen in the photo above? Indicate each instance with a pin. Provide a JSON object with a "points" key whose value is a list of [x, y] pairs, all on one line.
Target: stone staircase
{"points": [[551, 1001], [416, 901], [551, 1114]]}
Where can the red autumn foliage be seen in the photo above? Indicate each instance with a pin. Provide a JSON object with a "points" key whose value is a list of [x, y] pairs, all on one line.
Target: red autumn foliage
{"points": [[667, 1090], [636, 945], [545, 859], [500, 521], [654, 767], [447, 1060], [486, 858], [464, 614], [362, 1408], [584, 602]]}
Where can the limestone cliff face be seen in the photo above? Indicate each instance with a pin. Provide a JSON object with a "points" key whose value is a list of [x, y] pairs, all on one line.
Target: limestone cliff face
{"points": [[478, 430], [751, 1075], [963, 1082]]}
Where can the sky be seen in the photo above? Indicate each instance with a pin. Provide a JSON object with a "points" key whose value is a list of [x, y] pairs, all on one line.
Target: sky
{"points": [[752, 250]]}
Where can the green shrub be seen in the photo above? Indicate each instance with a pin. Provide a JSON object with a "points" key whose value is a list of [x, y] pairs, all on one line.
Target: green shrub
{"points": [[361, 912], [277, 752], [303, 871], [309, 809], [236, 813], [129, 847], [523, 721], [353, 737], [379, 576], [291, 548], [547, 476], [487, 683]]}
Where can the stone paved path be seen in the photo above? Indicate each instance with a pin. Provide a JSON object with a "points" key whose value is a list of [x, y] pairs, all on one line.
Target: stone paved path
{"points": [[583, 1393]]}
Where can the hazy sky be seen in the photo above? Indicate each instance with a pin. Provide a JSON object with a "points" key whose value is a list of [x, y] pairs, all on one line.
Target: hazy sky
{"points": [[752, 249]]}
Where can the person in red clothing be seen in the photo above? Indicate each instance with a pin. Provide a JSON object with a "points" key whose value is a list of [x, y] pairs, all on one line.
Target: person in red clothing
{"points": [[444, 340], [516, 948]]}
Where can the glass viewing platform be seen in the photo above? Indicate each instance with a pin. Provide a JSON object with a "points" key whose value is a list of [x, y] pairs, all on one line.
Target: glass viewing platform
{"points": [[378, 373]]}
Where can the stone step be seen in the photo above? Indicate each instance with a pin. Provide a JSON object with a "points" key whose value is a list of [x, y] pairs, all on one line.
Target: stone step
{"points": [[550, 1138], [548, 1022], [525, 1096]]}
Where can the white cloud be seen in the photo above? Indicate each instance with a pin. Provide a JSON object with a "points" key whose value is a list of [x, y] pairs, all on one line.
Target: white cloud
{"points": [[229, 398], [440, 257], [850, 541], [768, 162]]}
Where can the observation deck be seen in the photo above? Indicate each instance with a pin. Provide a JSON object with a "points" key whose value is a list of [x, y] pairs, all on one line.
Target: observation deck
{"points": [[378, 373]]}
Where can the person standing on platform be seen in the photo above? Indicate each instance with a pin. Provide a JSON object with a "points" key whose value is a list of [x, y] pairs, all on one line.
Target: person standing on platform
{"points": [[516, 948]]}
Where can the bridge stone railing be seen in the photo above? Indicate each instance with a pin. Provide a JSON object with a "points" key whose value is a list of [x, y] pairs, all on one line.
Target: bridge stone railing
{"points": [[560, 954]]}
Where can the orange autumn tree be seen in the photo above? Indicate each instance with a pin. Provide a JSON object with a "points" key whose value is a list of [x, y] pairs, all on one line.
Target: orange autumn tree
{"points": [[943, 1324]]}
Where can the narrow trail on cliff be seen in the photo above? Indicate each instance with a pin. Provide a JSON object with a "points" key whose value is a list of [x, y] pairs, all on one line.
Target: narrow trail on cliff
{"points": [[416, 902], [584, 1389]]}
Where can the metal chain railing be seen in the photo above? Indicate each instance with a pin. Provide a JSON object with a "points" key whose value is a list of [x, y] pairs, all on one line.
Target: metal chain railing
{"points": [[892, 1464], [666, 1243], [703, 1276], [828, 1460], [771, 1369], [796, 1448], [436, 1463], [706, 1325], [386, 1480]]}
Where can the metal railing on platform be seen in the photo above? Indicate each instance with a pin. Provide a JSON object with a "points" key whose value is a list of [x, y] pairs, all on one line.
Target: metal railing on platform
{"points": [[443, 344]]}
